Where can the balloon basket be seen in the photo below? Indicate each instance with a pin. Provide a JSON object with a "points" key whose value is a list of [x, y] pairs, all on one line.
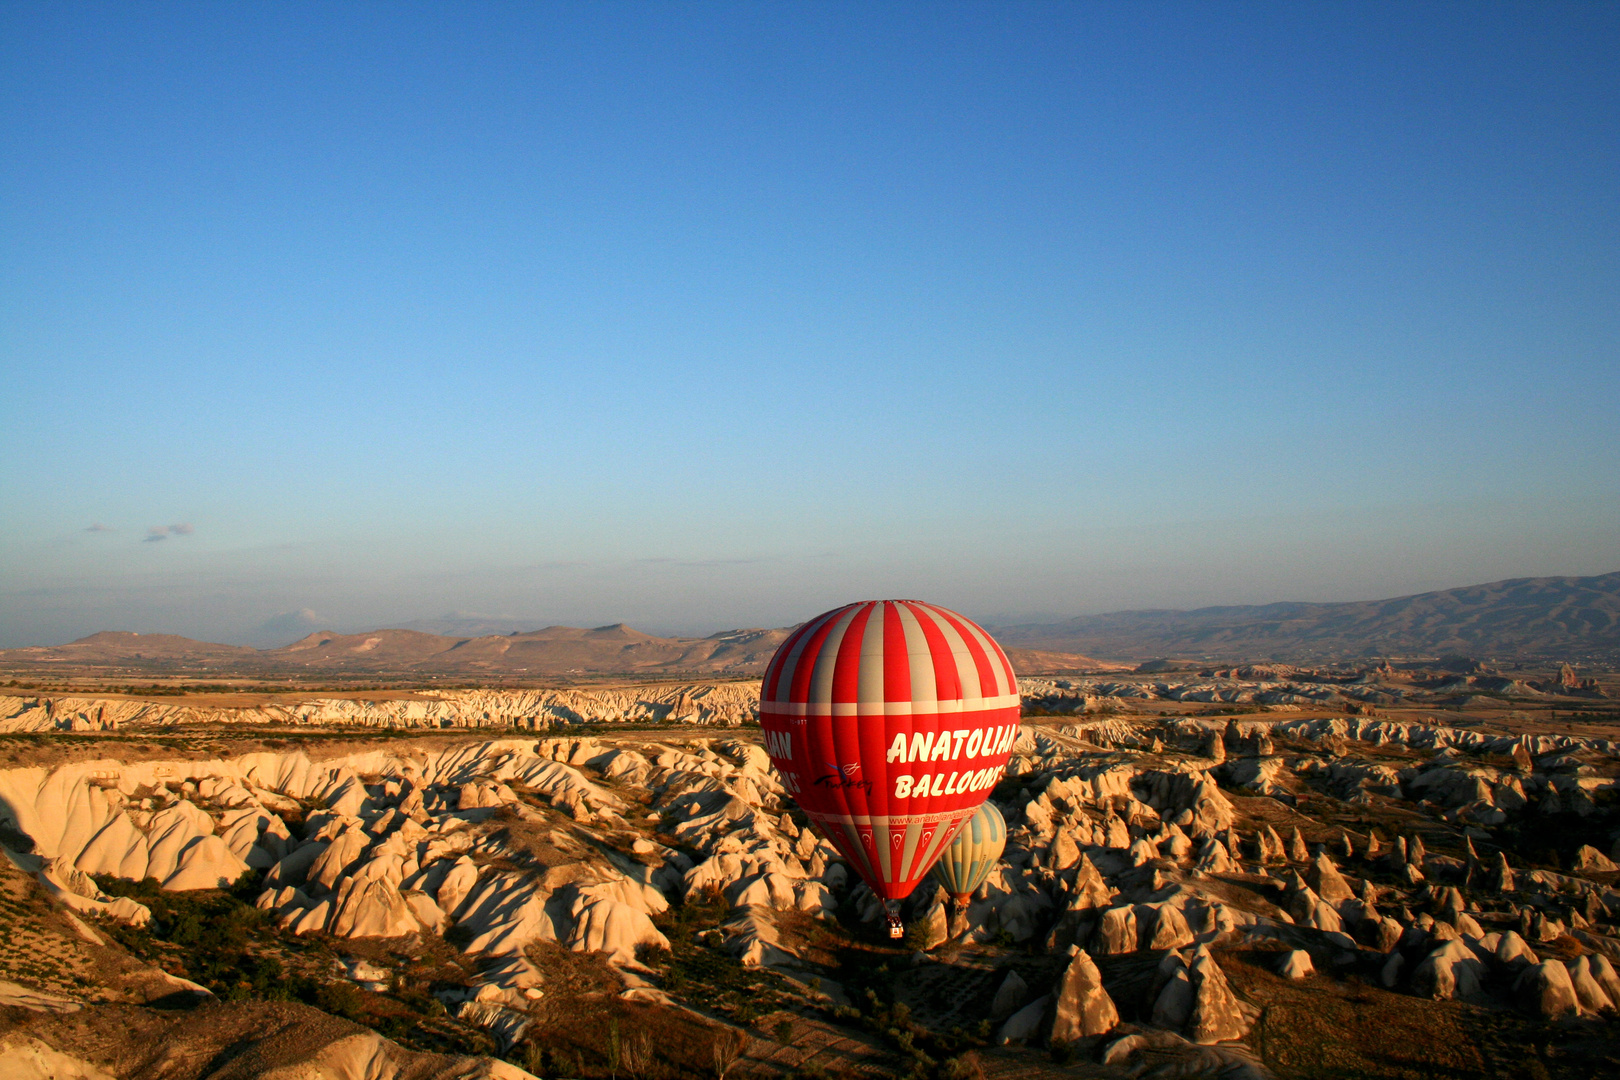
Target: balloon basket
{"points": [[897, 929]]}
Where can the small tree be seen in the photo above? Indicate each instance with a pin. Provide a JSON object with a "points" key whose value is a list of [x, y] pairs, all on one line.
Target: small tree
{"points": [[727, 1050], [638, 1054]]}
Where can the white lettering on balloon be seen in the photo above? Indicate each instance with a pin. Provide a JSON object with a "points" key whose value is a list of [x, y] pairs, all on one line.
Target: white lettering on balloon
{"points": [[926, 746], [907, 786]]}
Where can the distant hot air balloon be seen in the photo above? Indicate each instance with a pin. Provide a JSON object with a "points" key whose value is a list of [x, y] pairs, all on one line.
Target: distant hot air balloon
{"points": [[968, 859], [889, 721]]}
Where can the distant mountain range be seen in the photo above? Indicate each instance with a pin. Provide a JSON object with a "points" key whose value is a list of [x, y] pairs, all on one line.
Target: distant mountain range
{"points": [[553, 651], [1563, 618], [1572, 618], [290, 625]]}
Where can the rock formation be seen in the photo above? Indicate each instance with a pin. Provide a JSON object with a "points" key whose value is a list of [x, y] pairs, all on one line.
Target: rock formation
{"points": [[1216, 1015], [1083, 1007]]}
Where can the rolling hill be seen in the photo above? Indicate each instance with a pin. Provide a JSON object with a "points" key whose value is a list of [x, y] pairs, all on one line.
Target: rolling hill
{"points": [[1525, 618], [123, 647], [556, 651], [1569, 618]]}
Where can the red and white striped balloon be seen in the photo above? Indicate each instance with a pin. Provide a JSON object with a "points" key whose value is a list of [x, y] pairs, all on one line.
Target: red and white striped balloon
{"points": [[889, 721]]}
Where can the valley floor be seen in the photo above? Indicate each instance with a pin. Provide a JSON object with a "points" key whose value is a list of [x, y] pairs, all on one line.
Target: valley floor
{"points": [[1289, 894]]}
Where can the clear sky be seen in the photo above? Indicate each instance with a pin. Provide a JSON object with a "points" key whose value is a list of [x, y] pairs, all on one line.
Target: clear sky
{"points": [[698, 316]]}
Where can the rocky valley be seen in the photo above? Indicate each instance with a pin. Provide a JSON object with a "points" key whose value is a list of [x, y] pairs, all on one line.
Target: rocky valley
{"points": [[1262, 871]]}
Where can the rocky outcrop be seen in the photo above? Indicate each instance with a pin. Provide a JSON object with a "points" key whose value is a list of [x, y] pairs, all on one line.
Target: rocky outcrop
{"points": [[1589, 860], [1010, 996], [1295, 965], [1501, 877], [1326, 880], [1546, 990], [1216, 1014], [1116, 932], [1590, 994], [1025, 1024], [1083, 1007], [1450, 971], [256, 1050], [1170, 930]]}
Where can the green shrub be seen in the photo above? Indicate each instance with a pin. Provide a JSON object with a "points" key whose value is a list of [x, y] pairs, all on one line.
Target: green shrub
{"points": [[964, 1067], [341, 999]]}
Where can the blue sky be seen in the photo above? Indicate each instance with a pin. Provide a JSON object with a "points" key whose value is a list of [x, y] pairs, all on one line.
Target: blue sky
{"points": [[698, 316]]}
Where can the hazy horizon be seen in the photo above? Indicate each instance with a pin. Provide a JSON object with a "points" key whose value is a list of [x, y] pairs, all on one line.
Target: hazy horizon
{"points": [[284, 628], [720, 315]]}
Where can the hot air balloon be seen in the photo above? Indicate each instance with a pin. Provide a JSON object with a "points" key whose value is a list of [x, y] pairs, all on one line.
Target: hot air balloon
{"points": [[968, 859], [889, 721]]}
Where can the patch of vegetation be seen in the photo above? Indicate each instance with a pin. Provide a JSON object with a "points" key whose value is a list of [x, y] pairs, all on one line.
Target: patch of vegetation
{"points": [[1588, 717], [929, 1055], [697, 968], [1352, 1030], [210, 934], [219, 940]]}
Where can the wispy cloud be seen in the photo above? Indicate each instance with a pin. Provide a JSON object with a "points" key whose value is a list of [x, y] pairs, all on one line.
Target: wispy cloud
{"points": [[99, 527], [163, 532], [665, 561]]}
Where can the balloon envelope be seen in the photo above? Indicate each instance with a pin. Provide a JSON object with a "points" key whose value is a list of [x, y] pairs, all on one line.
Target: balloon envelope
{"points": [[889, 721], [968, 859]]}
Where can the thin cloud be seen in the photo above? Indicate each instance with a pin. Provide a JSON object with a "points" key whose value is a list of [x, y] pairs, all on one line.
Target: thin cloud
{"points": [[163, 532], [99, 527], [665, 561]]}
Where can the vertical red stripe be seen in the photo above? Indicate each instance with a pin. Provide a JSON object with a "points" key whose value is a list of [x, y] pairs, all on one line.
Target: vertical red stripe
{"points": [[947, 683], [846, 680], [804, 671], [773, 674], [872, 754], [987, 674], [896, 664], [1006, 664], [794, 663], [841, 747]]}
